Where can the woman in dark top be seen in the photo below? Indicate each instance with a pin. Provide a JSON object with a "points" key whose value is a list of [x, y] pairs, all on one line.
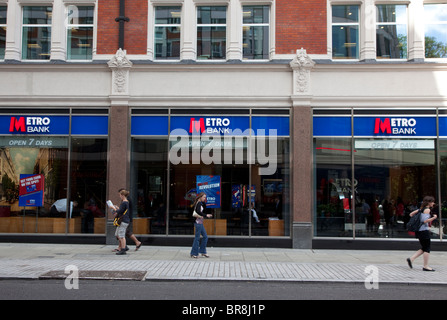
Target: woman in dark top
{"points": [[122, 211], [424, 233], [199, 213]]}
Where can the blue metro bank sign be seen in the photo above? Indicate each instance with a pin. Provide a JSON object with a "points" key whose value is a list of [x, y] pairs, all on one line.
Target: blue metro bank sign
{"points": [[373, 127], [395, 126], [42, 125]]}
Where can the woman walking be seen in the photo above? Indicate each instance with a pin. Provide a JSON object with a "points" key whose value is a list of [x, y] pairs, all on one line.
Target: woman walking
{"points": [[424, 233], [199, 213], [122, 212]]}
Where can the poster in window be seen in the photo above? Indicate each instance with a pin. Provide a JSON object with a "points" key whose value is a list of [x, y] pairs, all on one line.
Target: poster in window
{"points": [[31, 190], [211, 186]]}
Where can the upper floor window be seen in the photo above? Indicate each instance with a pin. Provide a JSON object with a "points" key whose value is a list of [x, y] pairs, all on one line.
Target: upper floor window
{"points": [[167, 32], [391, 31], [36, 36], [211, 32], [2, 31], [345, 32], [435, 16], [80, 32], [255, 43]]}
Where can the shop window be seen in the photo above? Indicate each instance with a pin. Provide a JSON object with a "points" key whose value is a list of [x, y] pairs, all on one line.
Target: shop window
{"points": [[46, 185], [80, 32], [435, 21], [228, 193], [33, 190], [255, 29], [2, 31], [391, 31], [392, 176], [211, 32], [333, 187], [36, 36], [345, 32], [271, 191], [244, 171], [442, 213], [167, 32], [149, 180], [88, 184]]}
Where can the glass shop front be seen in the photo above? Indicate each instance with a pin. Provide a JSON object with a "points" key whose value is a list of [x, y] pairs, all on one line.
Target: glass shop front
{"points": [[373, 167], [53, 165], [238, 157]]}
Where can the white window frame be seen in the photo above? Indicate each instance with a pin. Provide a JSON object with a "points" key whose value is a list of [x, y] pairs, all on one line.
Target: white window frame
{"points": [[213, 25], [444, 23], [268, 24], [332, 24], [168, 26], [5, 26], [23, 25], [393, 24], [68, 25]]}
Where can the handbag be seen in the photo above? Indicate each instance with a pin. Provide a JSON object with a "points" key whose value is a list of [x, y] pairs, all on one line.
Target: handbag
{"points": [[194, 213], [117, 220]]}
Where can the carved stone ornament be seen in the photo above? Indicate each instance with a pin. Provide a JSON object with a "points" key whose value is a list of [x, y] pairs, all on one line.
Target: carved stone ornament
{"points": [[302, 64], [120, 66]]}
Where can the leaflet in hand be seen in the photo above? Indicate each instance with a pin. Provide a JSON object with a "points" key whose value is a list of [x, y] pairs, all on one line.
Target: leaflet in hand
{"points": [[110, 204]]}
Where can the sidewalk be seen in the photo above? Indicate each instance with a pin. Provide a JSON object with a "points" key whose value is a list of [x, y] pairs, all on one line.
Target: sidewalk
{"points": [[40, 261]]}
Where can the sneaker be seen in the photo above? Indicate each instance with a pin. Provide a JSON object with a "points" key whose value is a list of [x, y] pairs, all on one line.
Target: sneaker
{"points": [[121, 252]]}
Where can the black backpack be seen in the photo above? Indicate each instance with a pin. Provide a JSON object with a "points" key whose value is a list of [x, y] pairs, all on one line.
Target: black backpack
{"points": [[415, 222]]}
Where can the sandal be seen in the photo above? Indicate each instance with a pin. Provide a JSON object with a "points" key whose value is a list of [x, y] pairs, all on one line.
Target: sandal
{"points": [[138, 247], [205, 255], [194, 257]]}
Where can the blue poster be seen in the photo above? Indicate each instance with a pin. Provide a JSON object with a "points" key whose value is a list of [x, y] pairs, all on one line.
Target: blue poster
{"points": [[236, 196], [31, 190], [211, 186]]}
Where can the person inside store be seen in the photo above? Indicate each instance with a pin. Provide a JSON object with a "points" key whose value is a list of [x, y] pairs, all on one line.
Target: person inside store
{"points": [[278, 206], [60, 206]]}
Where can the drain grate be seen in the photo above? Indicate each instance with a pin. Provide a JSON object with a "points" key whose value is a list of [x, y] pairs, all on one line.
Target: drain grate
{"points": [[97, 275]]}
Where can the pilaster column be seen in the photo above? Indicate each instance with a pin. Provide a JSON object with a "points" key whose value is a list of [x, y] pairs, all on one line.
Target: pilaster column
{"points": [[416, 36], [189, 34], [118, 173], [13, 32], [302, 168]]}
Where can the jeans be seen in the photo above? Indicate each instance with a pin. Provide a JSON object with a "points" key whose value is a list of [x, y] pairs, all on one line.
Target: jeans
{"points": [[196, 248]]}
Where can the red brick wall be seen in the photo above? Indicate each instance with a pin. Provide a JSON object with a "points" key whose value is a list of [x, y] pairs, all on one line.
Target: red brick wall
{"points": [[301, 24], [135, 40], [135, 31]]}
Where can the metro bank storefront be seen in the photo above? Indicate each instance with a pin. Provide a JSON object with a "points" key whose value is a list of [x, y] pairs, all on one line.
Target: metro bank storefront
{"points": [[55, 166], [373, 167], [239, 157], [51, 160]]}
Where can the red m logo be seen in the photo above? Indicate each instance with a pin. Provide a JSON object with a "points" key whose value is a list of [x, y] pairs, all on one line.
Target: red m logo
{"points": [[384, 126], [197, 126], [17, 125]]}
